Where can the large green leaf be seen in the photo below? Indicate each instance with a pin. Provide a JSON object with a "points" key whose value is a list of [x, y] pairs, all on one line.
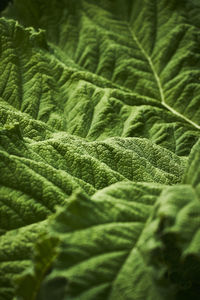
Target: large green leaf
{"points": [[111, 249], [98, 253], [37, 175], [93, 93], [142, 77], [172, 246], [16, 250]]}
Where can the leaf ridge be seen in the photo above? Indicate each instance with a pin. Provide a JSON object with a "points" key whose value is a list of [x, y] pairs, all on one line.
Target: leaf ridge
{"points": [[157, 79]]}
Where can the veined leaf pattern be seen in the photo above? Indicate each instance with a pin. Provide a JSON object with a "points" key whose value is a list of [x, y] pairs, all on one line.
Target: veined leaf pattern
{"points": [[100, 97]]}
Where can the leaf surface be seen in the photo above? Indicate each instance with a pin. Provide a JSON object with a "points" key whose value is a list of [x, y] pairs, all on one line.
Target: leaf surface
{"points": [[101, 97], [142, 77], [99, 238]]}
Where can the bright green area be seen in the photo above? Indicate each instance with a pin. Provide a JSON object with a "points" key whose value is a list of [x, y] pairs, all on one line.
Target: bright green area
{"points": [[99, 150]]}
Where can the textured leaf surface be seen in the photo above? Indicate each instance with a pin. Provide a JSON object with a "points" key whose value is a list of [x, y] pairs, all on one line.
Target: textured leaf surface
{"points": [[38, 175], [103, 97], [192, 172], [142, 242], [16, 249], [28, 285], [172, 246], [99, 238], [143, 77]]}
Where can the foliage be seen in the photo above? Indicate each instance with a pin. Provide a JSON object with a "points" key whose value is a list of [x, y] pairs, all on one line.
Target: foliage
{"points": [[100, 150]]}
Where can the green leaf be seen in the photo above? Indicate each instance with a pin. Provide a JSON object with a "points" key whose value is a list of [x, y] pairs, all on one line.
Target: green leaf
{"points": [[29, 193], [36, 176], [28, 284], [142, 77], [172, 247], [99, 236], [16, 250], [192, 172], [94, 93], [39, 175], [141, 243]]}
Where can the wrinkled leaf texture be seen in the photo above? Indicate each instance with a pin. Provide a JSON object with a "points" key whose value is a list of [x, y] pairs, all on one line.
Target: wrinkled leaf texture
{"points": [[99, 150]]}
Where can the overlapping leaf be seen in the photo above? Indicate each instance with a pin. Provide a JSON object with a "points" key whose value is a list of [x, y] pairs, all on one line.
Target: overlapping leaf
{"points": [[172, 246], [142, 77], [37, 175], [142, 242], [99, 237], [93, 93]]}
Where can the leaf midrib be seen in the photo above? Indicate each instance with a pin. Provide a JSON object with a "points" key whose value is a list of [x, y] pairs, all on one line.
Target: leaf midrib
{"points": [[158, 82]]}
